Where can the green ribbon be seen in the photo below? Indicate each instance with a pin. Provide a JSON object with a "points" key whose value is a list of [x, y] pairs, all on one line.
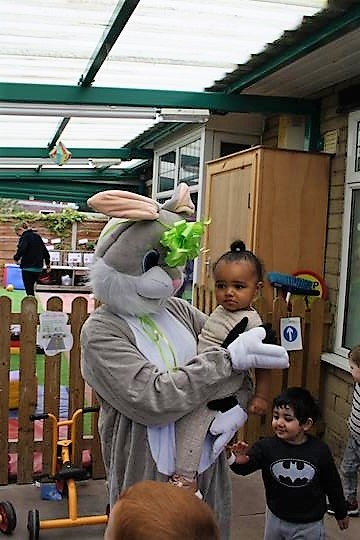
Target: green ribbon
{"points": [[157, 336], [182, 241]]}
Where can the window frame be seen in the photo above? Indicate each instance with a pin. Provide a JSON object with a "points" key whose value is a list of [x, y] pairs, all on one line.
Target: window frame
{"points": [[352, 183], [177, 145]]}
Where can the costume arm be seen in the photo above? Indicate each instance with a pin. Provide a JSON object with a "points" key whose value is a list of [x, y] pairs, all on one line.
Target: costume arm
{"points": [[122, 376]]}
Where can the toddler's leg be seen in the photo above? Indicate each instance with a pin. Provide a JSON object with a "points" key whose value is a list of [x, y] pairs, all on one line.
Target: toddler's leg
{"points": [[190, 431], [349, 466]]}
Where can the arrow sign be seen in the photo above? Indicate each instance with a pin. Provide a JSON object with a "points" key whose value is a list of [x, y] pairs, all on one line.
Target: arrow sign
{"points": [[290, 332]]}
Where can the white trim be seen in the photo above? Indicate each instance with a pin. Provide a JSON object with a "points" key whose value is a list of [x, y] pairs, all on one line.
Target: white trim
{"points": [[336, 360]]}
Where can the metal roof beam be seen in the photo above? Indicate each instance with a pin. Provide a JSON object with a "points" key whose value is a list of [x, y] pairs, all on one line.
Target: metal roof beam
{"points": [[344, 23], [79, 192], [214, 101], [61, 126], [120, 17], [41, 174], [124, 154]]}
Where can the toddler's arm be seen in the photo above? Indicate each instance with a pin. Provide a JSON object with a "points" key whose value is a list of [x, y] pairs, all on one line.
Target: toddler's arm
{"points": [[258, 404]]}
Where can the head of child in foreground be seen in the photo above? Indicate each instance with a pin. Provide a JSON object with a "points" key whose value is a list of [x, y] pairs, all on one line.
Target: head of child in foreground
{"points": [[295, 411], [153, 510], [238, 276], [354, 363]]}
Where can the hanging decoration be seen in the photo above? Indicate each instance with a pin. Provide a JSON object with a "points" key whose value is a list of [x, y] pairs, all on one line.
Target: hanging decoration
{"points": [[60, 154]]}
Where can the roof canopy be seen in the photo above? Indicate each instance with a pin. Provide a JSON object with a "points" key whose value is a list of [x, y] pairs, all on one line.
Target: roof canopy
{"points": [[98, 75]]}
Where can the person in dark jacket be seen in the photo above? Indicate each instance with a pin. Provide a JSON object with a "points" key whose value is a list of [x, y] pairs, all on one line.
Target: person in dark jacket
{"points": [[31, 254], [297, 468]]}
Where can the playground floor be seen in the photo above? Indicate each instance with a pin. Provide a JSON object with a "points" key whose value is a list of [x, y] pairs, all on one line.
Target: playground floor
{"points": [[247, 518]]}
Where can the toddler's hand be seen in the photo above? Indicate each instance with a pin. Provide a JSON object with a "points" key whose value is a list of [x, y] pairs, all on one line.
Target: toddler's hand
{"points": [[258, 405], [343, 523], [239, 450]]}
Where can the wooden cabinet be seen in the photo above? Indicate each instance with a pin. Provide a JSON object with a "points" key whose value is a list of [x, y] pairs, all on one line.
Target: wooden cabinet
{"points": [[274, 200]]}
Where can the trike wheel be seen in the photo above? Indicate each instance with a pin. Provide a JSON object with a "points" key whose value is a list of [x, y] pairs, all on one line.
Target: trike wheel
{"points": [[33, 524], [8, 517]]}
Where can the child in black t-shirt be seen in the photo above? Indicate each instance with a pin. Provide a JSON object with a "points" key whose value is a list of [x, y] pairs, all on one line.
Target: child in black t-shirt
{"points": [[297, 468]]}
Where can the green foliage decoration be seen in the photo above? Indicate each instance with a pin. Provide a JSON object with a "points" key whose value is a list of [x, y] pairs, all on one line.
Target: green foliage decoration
{"points": [[59, 223]]}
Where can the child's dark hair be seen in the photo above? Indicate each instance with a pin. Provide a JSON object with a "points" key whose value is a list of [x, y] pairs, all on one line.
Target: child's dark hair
{"points": [[301, 401], [354, 355], [238, 252]]}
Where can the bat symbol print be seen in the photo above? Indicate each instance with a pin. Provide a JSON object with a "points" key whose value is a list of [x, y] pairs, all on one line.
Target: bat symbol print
{"points": [[293, 472]]}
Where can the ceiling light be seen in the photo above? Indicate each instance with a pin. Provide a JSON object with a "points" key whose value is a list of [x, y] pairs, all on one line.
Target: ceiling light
{"points": [[105, 162], [83, 111], [184, 115]]}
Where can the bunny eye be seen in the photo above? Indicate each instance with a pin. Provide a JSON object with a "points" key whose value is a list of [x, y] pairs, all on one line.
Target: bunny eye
{"points": [[151, 259]]}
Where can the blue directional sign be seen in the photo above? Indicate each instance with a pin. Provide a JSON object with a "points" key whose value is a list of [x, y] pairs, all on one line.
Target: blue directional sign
{"points": [[290, 333]]}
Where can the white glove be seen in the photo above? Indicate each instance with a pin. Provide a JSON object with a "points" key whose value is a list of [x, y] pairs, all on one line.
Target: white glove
{"points": [[220, 443], [225, 425], [229, 420], [248, 351]]}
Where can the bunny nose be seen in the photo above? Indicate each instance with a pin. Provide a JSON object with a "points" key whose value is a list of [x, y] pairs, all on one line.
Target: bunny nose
{"points": [[155, 283]]}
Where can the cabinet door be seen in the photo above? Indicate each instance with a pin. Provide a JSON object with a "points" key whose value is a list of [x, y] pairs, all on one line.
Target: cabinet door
{"points": [[228, 204]]}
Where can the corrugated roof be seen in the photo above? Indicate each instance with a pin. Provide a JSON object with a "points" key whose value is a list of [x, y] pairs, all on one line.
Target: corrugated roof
{"points": [[163, 44], [310, 26]]}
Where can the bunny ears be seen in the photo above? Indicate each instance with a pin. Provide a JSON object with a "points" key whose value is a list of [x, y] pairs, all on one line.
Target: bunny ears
{"points": [[124, 204]]}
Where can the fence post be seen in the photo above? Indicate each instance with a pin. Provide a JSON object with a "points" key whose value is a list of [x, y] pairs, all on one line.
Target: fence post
{"points": [[5, 317], [27, 399]]}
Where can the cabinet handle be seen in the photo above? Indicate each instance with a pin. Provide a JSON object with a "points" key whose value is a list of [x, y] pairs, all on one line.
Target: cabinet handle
{"points": [[249, 201]]}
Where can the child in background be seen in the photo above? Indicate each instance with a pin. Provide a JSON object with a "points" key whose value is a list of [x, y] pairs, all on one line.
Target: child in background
{"points": [[351, 458], [297, 468], [238, 276], [152, 510]]}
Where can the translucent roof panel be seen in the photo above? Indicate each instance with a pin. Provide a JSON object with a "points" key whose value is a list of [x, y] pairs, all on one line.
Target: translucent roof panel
{"points": [[166, 44], [186, 45]]}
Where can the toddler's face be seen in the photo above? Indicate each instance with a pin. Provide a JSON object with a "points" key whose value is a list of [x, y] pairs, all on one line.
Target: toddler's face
{"points": [[287, 427], [354, 370], [236, 285]]}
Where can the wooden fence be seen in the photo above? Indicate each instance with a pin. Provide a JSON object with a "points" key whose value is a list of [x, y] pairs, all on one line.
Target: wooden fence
{"points": [[304, 367], [304, 371], [25, 446]]}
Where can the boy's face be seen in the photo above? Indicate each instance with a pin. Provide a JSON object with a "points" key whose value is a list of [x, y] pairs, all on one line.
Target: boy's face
{"points": [[287, 427], [354, 370]]}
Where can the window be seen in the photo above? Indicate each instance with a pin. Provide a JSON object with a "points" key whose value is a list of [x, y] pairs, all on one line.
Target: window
{"points": [[167, 171], [189, 163], [181, 162], [351, 326], [348, 317]]}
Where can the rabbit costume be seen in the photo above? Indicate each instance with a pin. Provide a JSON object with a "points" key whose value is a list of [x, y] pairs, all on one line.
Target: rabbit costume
{"points": [[139, 346]]}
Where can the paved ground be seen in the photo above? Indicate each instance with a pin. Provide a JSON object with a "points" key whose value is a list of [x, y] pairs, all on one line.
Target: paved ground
{"points": [[247, 521]]}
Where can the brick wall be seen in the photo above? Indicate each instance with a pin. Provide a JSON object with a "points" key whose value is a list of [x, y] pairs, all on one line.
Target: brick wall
{"points": [[86, 229], [331, 120], [336, 396], [336, 384]]}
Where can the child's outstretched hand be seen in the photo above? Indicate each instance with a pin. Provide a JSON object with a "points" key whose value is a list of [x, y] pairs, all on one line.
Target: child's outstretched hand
{"points": [[343, 523], [239, 450], [258, 405]]}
